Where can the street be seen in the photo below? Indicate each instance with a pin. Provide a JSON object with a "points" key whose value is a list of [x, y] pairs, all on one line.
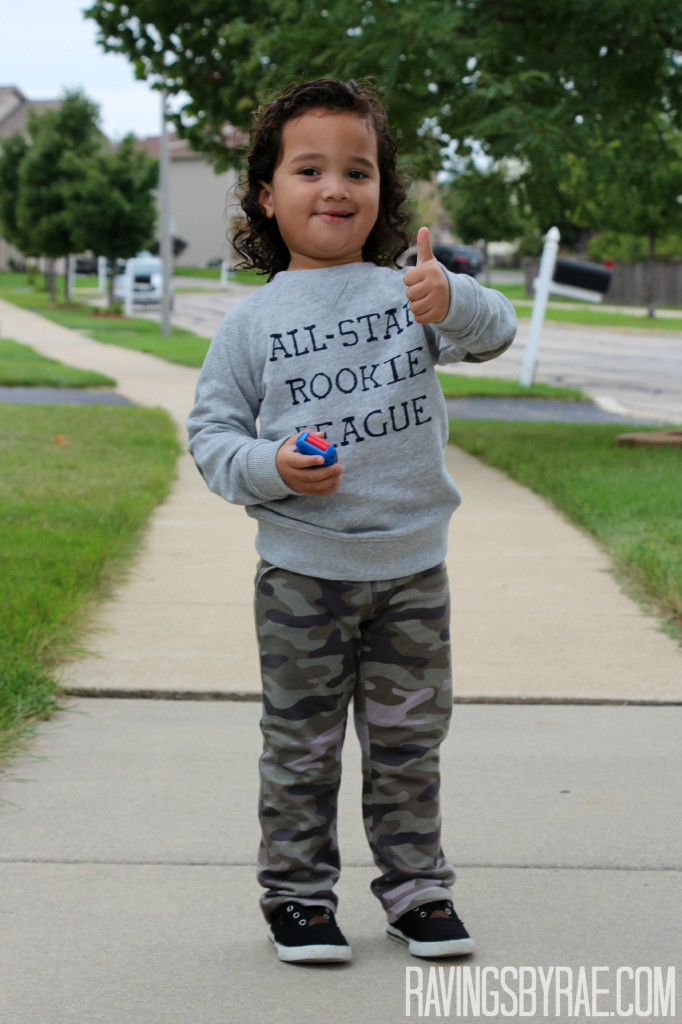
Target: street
{"points": [[629, 371]]}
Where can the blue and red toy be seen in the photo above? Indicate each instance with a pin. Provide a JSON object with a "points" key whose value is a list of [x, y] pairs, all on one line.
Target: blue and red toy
{"points": [[311, 444]]}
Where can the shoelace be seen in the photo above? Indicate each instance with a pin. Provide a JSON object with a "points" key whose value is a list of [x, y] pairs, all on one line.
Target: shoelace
{"points": [[431, 910], [318, 915]]}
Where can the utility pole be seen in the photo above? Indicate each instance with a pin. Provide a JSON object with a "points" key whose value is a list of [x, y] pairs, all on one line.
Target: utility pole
{"points": [[164, 221]]}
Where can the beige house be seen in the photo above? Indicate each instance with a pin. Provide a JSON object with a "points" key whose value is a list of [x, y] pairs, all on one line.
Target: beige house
{"points": [[202, 202]]}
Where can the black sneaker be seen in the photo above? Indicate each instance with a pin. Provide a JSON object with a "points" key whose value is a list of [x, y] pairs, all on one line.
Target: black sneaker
{"points": [[307, 934], [432, 930]]}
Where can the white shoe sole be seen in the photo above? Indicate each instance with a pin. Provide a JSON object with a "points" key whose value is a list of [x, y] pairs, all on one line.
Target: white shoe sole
{"points": [[311, 954], [448, 947]]}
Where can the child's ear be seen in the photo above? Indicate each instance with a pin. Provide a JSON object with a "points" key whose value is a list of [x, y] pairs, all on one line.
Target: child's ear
{"points": [[265, 200]]}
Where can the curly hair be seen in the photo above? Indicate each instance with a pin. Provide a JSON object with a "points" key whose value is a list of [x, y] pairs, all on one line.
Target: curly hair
{"points": [[257, 238]]}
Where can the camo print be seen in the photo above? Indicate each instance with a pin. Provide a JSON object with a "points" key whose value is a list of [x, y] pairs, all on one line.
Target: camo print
{"points": [[386, 646]]}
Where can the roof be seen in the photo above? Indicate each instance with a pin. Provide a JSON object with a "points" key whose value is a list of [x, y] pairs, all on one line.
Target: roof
{"points": [[15, 108], [179, 149]]}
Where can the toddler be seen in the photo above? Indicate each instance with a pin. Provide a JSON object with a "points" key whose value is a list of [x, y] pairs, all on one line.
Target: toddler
{"points": [[351, 591]]}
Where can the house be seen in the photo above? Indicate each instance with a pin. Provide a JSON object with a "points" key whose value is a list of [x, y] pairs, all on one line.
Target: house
{"points": [[14, 111], [202, 202], [15, 108]]}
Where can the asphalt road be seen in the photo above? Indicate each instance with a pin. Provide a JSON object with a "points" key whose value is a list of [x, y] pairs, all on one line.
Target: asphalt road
{"points": [[633, 373]]}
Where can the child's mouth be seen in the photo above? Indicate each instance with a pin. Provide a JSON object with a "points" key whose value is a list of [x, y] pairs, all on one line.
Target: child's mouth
{"points": [[333, 217]]}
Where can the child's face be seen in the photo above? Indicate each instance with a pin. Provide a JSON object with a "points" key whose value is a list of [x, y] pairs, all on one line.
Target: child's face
{"points": [[325, 188]]}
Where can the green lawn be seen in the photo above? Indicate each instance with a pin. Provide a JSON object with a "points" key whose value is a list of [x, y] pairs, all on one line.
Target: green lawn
{"points": [[628, 498], [213, 274], [593, 315], [181, 346], [77, 486], [209, 273], [79, 483], [22, 366], [459, 386], [189, 349]]}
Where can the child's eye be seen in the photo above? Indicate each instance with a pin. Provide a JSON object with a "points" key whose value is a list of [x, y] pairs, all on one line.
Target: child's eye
{"points": [[309, 172], [357, 175]]}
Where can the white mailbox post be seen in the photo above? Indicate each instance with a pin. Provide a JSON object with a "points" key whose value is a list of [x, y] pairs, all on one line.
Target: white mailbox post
{"points": [[586, 281], [542, 287]]}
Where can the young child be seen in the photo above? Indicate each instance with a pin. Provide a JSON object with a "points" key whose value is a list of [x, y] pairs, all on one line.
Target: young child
{"points": [[351, 595]]}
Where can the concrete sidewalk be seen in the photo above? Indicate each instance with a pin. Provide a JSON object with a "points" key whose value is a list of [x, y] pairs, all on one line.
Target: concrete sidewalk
{"points": [[128, 851], [128, 833], [536, 610]]}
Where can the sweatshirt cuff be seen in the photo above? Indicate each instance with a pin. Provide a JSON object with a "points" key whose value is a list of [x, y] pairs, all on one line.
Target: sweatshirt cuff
{"points": [[463, 304], [263, 475]]}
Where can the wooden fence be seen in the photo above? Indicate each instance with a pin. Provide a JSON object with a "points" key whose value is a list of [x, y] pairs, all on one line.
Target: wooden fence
{"points": [[629, 283]]}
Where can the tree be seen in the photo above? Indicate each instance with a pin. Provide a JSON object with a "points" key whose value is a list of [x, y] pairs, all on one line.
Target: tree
{"points": [[65, 189], [208, 52], [49, 174], [528, 80], [484, 206], [114, 204], [12, 153], [645, 201]]}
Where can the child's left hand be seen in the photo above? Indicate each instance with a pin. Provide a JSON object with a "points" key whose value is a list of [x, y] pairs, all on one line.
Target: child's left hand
{"points": [[427, 287]]}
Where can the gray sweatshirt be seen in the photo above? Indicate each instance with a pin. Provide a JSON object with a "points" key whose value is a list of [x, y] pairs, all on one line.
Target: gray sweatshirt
{"points": [[336, 350]]}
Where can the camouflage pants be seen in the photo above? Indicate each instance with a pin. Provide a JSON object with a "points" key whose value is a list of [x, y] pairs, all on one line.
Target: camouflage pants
{"points": [[386, 646]]}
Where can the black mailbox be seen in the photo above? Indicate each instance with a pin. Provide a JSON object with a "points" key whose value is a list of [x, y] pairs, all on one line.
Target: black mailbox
{"points": [[593, 277]]}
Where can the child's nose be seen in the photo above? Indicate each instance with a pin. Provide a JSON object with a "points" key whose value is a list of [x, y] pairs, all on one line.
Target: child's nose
{"points": [[336, 187]]}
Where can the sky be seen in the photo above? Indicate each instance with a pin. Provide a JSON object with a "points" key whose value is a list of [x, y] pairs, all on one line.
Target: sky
{"points": [[47, 46]]}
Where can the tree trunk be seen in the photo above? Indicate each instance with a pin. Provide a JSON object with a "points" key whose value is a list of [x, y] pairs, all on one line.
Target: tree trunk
{"points": [[650, 277], [51, 280], [67, 279], [111, 273]]}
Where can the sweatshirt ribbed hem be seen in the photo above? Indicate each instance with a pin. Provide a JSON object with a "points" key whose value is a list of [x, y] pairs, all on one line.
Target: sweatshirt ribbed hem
{"points": [[359, 557]]}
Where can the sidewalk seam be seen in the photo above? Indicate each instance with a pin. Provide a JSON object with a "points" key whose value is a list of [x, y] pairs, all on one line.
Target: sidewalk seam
{"points": [[107, 693], [469, 866]]}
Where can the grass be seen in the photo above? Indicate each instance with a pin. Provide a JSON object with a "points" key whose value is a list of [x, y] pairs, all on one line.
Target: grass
{"points": [[593, 318], [32, 283], [78, 485], [213, 274], [585, 313], [628, 498], [22, 366], [189, 350], [210, 273], [458, 386], [180, 346]]}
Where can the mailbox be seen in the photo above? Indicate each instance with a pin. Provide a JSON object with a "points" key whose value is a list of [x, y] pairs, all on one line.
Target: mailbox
{"points": [[592, 277]]}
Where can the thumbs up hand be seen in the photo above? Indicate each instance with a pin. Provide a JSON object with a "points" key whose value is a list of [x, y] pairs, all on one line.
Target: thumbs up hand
{"points": [[427, 286]]}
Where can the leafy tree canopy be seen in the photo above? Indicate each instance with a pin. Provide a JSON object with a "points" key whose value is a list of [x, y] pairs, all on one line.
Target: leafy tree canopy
{"points": [[483, 206], [37, 173], [60, 143], [547, 84], [499, 70], [115, 204], [64, 189], [12, 153]]}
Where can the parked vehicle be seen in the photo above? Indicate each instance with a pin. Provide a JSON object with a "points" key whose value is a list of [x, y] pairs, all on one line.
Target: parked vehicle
{"points": [[460, 259], [86, 265], [147, 277]]}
